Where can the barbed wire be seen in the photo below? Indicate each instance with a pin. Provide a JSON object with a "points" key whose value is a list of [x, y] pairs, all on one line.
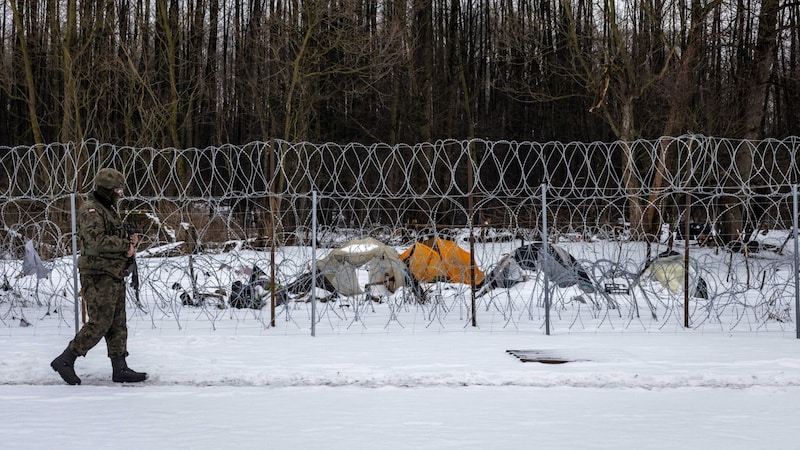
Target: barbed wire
{"points": [[235, 207]]}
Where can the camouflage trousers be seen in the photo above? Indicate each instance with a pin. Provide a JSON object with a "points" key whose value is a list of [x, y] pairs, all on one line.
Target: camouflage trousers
{"points": [[104, 297]]}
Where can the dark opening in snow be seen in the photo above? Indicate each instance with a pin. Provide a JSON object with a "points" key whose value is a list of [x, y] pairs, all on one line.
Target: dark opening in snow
{"points": [[541, 356]]}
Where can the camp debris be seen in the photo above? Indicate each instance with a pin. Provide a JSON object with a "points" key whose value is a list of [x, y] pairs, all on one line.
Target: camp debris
{"points": [[438, 259], [667, 269], [255, 293], [32, 263], [336, 272], [200, 299]]}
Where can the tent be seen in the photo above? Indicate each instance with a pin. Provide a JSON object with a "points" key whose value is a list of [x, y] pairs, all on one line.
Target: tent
{"points": [[560, 268], [667, 269], [506, 273], [336, 272], [438, 259]]}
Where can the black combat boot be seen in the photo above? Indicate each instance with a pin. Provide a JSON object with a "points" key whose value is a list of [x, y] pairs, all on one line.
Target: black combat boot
{"points": [[65, 366], [122, 374]]}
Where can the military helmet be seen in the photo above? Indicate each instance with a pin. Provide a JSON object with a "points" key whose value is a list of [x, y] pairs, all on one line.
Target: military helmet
{"points": [[109, 179]]}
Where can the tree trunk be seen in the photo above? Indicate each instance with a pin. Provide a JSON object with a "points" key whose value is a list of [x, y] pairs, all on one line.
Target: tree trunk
{"points": [[680, 111], [423, 68], [734, 222], [29, 79]]}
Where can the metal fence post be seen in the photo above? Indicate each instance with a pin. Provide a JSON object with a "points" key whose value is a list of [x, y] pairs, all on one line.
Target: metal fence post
{"points": [[314, 263], [77, 297], [544, 257], [796, 262]]}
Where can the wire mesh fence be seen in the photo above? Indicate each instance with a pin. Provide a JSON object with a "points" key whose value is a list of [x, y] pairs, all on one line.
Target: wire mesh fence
{"points": [[679, 232]]}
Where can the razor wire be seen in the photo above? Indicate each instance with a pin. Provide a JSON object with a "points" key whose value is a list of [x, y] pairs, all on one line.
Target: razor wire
{"points": [[210, 217]]}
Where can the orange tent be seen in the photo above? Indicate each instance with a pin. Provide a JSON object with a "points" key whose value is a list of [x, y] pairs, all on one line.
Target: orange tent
{"points": [[440, 259]]}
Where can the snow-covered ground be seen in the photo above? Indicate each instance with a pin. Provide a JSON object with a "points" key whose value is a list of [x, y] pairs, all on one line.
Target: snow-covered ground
{"points": [[426, 379], [228, 389]]}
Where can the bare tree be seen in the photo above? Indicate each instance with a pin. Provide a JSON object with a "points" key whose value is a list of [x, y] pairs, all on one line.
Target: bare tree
{"points": [[27, 66], [682, 94], [737, 220], [617, 68], [177, 74]]}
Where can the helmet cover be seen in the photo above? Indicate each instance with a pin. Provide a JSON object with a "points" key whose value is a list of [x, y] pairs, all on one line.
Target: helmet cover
{"points": [[109, 179]]}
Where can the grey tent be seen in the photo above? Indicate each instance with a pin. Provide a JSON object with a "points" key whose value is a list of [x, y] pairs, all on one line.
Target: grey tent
{"points": [[506, 273], [558, 266]]}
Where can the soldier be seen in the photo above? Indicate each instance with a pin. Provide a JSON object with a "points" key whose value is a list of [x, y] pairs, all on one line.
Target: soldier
{"points": [[105, 249]]}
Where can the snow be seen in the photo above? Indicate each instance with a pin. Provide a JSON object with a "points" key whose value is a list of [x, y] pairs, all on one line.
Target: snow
{"points": [[359, 248], [229, 389], [421, 385]]}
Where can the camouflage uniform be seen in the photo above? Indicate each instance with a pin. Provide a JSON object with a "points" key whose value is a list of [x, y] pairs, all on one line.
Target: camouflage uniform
{"points": [[104, 244], [102, 270]]}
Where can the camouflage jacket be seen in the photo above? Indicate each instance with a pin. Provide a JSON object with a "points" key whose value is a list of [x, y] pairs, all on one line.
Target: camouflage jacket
{"points": [[104, 240]]}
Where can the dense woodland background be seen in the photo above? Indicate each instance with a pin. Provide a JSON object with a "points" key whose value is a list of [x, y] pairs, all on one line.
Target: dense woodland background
{"points": [[196, 73]]}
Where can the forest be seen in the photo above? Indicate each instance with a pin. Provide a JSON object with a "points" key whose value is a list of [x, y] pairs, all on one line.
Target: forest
{"points": [[199, 73]]}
